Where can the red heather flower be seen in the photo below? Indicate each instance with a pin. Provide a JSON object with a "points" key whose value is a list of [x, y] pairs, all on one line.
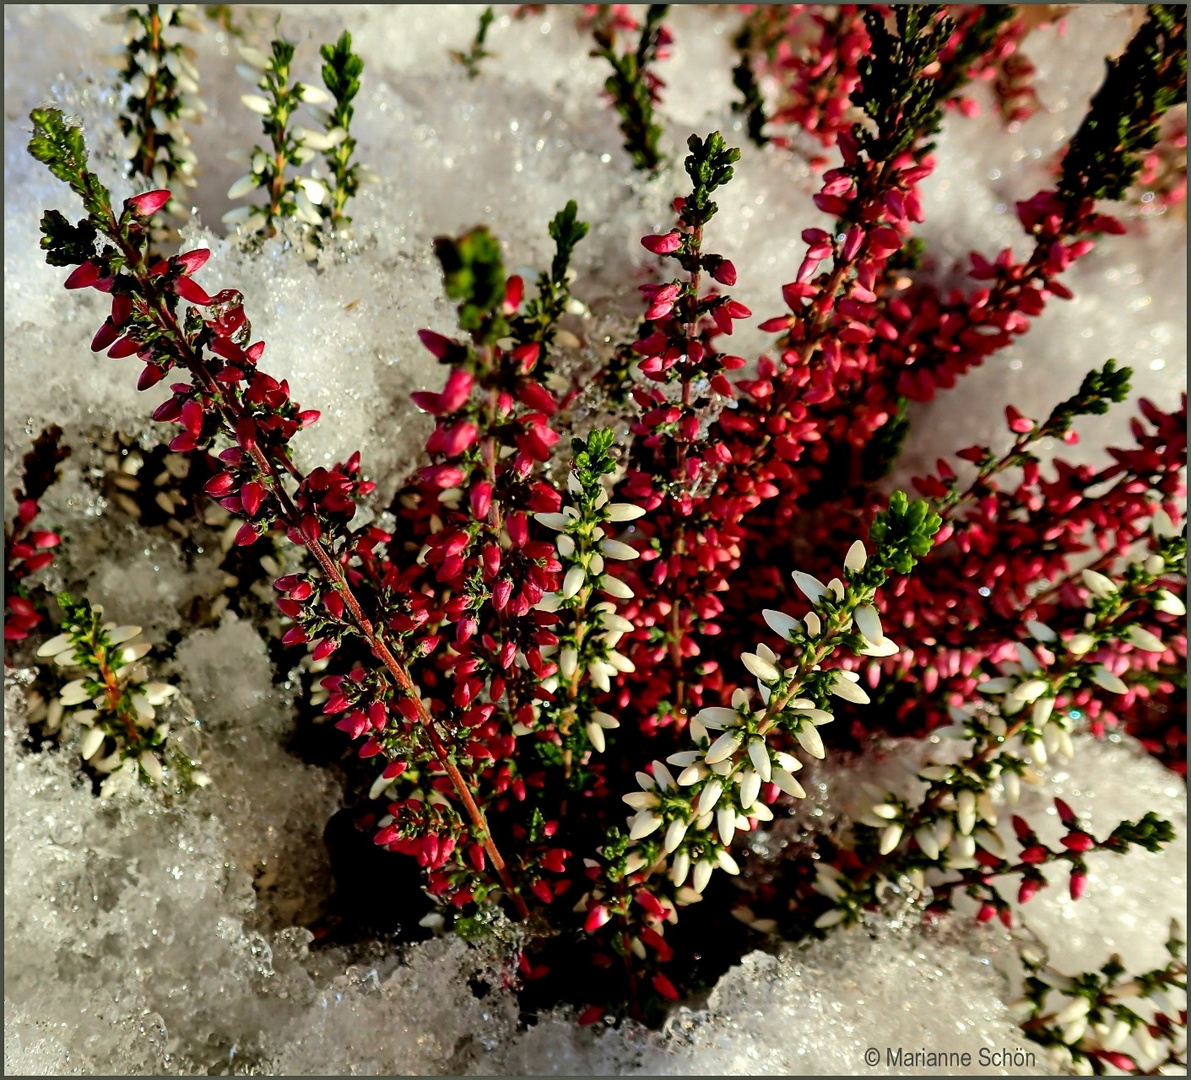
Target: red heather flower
{"points": [[1078, 883], [149, 203]]}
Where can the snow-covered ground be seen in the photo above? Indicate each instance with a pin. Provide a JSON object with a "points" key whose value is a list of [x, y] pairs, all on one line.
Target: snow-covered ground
{"points": [[136, 940]]}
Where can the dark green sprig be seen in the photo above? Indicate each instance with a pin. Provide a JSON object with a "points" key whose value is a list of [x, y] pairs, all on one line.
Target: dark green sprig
{"points": [[751, 103], [632, 86], [709, 165], [471, 59], [59, 145], [539, 321], [903, 534], [341, 76], [901, 102], [1140, 86]]}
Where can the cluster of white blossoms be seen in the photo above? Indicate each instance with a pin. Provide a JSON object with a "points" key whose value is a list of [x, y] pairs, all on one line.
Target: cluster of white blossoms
{"points": [[1015, 735], [110, 703], [716, 793], [305, 198], [163, 85], [588, 632]]}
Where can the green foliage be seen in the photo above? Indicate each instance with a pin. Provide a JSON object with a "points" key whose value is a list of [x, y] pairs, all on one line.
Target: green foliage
{"points": [[594, 458], [709, 165], [894, 93], [66, 244], [341, 75], [902, 534], [1151, 832], [474, 274], [471, 59], [1099, 389], [539, 321], [630, 89], [1140, 86], [751, 103], [59, 145]]}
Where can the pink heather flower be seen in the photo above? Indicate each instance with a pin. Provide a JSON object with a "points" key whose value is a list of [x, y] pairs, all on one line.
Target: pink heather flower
{"points": [[149, 203], [662, 244], [83, 276]]}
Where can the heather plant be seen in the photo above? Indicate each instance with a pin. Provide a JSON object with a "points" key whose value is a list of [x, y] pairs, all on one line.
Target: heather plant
{"points": [[310, 200], [161, 87], [109, 704], [582, 662]]}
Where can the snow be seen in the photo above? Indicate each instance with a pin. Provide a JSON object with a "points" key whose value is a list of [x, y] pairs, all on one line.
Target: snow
{"points": [[144, 938]]}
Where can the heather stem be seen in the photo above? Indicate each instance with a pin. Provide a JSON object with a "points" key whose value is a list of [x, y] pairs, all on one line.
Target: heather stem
{"points": [[332, 572]]}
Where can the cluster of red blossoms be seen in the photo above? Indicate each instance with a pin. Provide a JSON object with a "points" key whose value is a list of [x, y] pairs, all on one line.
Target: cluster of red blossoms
{"points": [[506, 687]]}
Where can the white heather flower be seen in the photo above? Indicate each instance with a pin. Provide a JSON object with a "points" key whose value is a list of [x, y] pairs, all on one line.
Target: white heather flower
{"points": [[750, 788], [692, 774], [663, 776], [811, 587], [615, 587], [995, 686], [557, 522], [620, 662], [1078, 644], [725, 820], [568, 660], [1012, 784], [701, 875], [1030, 690], [808, 738], [759, 756], [927, 842], [1043, 707], [595, 735], [56, 645], [709, 796], [885, 810], [726, 862], [684, 758], [990, 841], [856, 557], [830, 918], [312, 95], [788, 784], [624, 512], [868, 622], [573, 582], [779, 622], [254, 57], [761, 668], [885, 647], [717, 717], [814, 625], [256, 103], [965, 815], [643, 824], [614, 549], [91, 741], [1162, 525], [844, 687], [1073, 1011], [837, 587], [1029, 661], [680, 868], [890, 837], [1104, 678], [1145, 640], [152, 766], [74, 693], [675, 834], [1098, 584], [1039, 631], [1154, 565], [723, 747], [242, 186], [1165, 601]]}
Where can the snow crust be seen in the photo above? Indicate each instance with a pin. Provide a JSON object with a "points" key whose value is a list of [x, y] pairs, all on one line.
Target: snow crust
{"points": [[144, 938]]}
